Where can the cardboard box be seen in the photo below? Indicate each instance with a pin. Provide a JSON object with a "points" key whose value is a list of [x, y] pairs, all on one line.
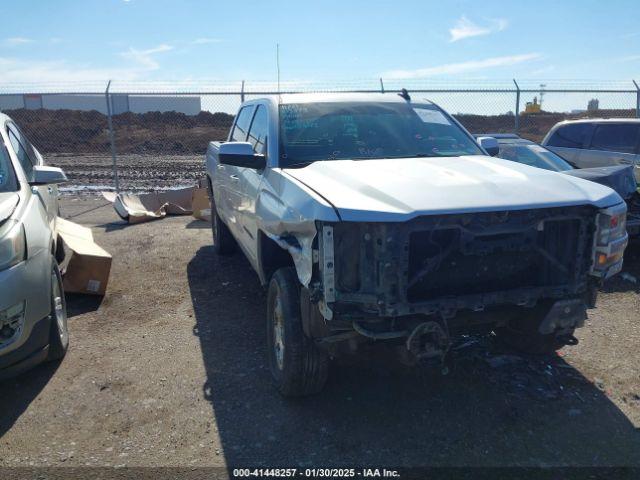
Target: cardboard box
{"points": [[86, 265], [200, 203], [150, 206]]}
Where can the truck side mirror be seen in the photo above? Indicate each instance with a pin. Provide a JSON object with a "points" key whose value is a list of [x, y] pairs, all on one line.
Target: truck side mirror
{"points": [[241, 154], [490, 144], [42, 175]]}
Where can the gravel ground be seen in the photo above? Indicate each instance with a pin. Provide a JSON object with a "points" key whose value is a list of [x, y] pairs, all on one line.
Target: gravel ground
{"points": [[91, 173], [169, 370]]}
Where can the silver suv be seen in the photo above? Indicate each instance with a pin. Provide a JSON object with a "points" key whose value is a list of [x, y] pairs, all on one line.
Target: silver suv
{"points": [[33, 319], [597, 142]]}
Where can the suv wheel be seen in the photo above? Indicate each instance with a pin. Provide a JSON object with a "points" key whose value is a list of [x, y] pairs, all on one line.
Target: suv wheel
{"points": [[297, 365], [59, 334]]}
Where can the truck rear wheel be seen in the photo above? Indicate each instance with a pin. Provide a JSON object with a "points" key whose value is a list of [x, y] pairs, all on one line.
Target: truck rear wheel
{"points": [[522, 334], [297, 365]]}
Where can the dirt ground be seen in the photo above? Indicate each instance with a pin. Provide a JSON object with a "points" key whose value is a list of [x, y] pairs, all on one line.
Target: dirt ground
{"points": [[169, 370]]}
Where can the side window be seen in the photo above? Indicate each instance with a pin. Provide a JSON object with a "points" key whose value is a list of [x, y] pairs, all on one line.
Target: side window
{"points": [[572, 136], [241, 126], [258, 130], [615, 137], [26, 162], [8, 182]]}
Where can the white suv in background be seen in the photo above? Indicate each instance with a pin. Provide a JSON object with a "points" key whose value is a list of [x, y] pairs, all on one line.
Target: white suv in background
{"points": [[597, 142], [33, 319]]}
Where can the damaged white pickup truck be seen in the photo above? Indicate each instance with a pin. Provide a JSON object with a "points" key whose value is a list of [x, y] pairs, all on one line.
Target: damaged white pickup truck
{"points": [[379, 218]]}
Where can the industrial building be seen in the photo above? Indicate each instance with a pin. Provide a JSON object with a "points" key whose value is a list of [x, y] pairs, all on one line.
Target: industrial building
{"points": [[120, 103]]}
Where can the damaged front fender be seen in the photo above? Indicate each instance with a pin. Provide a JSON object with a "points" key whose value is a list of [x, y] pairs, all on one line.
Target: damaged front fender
{"points": [[293, 229]]}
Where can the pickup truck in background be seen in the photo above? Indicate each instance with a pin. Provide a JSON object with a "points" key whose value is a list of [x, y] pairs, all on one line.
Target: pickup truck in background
{"points": [[376, 217], [597, 142]]}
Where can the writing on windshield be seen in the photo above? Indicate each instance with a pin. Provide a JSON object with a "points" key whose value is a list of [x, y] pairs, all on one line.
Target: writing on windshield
{"points": [[368, 130]]}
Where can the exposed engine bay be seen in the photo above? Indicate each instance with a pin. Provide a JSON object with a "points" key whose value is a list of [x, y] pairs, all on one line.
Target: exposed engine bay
{"points": [[427, 280]]}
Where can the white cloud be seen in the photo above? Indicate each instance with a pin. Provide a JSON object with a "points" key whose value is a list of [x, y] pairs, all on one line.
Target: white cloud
{"points": [[543, 70], [206, 41], [630, 58], [15, 70], [465, 28], [21, 71], [462, 67], [15, 41], [145, 58]]}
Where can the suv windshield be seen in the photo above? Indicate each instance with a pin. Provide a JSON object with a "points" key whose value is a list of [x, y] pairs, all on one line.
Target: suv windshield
{"points": [[359, 130], [8, 181], [533, 155]]}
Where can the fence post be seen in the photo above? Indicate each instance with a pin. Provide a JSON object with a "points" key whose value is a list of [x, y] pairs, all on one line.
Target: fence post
{"points": [[112, 140], [637, 99], [381, 86], [517, 119], [242, 92]]}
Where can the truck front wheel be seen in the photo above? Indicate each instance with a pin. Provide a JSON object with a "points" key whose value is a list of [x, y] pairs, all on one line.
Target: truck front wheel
{"points": [[297, 365]]}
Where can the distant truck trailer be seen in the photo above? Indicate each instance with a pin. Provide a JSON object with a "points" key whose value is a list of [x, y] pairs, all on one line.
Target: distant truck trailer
{"points": [[120, 103]]}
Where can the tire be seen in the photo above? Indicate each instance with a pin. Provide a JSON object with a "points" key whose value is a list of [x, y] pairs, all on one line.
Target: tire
{"points": [[59, 332], [522, 333], [297, 365], [223, 241]]}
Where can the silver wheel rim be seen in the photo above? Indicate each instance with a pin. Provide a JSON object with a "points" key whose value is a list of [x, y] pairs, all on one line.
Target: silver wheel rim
{"points": [[278, 333], [58, 308]]}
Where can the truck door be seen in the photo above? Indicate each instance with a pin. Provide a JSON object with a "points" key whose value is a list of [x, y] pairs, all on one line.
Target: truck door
{"points": [[227, 177], [569, 140], [250, 182]]}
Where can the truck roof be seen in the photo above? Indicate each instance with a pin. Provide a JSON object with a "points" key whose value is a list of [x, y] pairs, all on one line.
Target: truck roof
{"points": [[390, 97], [601, 120]]}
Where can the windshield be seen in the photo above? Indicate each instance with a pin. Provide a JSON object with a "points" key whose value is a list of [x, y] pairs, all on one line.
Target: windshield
{"points": [[8, 181], [535, 156], [359, 130]]}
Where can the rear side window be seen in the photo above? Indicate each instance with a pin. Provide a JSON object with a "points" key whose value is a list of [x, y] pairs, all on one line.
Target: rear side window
{"points": [[241, 127], [614, 137], [8, 181], [573, 135], [258, 131], [19, 145]]}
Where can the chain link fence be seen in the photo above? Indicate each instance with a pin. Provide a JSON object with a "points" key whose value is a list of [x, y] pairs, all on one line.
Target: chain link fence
{"points": [[154, 136]]}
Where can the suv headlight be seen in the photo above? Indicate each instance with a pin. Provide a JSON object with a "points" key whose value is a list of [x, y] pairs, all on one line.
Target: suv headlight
{"points": [[13, 248], [610, 240]]}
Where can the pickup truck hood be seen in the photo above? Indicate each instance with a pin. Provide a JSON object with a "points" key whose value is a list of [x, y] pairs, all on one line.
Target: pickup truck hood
{"points": [[399, 189], [618, 177], [8, 202]]}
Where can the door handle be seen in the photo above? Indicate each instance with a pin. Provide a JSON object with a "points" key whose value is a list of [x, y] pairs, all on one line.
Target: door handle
{"points": [[220, 167], [50, 189], [235, 178]]}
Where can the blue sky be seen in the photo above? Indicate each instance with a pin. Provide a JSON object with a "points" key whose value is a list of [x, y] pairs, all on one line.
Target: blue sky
{"points": [[192, 40]]}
